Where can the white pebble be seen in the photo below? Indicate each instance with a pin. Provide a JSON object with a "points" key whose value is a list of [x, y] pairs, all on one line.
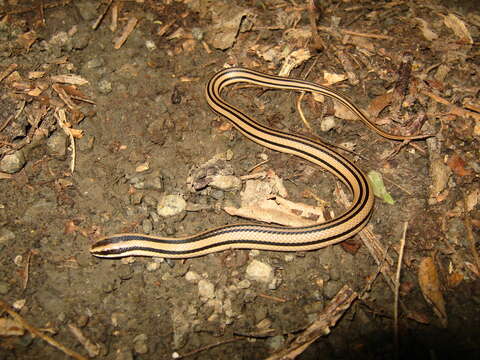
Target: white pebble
{"points": [[259, 271], [192, 276], [153, 266], [171, 205], [328, 123], [244, 284], [206, 289]]}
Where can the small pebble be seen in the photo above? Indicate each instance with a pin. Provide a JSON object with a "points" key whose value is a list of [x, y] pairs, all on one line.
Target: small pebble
{"points": [[153, 266], [157, 133], [197, 33], [57, 145], [264, 324], [124, 354], [171, 205], [276, 342], [105, 86], [12, 163], [192, 276], [153, 183], [244, 284], [142, 167], [85, 143], [125, 272], [217, 194], [259, 271], [328, 123], [4, 288], [94, 63], [150, 45], [150, 201], [331, 289], [82, 321], [147, 226], [140, 344], [6, 235], [206, 289], [226, 182], [136, 198]]}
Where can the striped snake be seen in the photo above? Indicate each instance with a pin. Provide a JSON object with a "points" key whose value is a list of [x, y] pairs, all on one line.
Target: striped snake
{"points": [[261, 236]]}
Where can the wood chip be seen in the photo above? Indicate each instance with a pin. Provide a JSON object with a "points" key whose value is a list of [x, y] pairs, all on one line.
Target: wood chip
{"points": [[132, 22], [69, 79], [431, 288]]}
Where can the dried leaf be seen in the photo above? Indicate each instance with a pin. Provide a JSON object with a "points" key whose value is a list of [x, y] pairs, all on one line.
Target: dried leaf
{"points": [[27, 39], [142, 167], [342, 112], [9, 327], [458, 27], [440, 173], [76, 133], [333, 78], [379, 103], [227, 20], [70, 227], [293, 60], [351, 246], [430, 285], [35, 74], [472, 199], [258, 204], [454, 279], [473, 268], [426, 31], [35, 92], [457, 164], [418, 317]]}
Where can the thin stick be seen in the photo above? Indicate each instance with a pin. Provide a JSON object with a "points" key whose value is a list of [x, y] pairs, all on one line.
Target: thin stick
{"points": [[27, 270], [299, 108], [456, 110], [257, 165], [19, 319], [397, 287], [302, 94], [322, 326], [11, 68], [208, 347], [101, 16], [274, 298], [366, 35]]}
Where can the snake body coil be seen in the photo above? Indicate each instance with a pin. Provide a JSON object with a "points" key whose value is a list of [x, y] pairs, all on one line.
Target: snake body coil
{"points": [[260, 236]]}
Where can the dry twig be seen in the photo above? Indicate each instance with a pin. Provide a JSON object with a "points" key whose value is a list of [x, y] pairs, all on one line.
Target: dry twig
{"points": [[101, 16], [320, 327], [208, 347], [19, 319], [132, 22], [397, 287], [452, 108]]}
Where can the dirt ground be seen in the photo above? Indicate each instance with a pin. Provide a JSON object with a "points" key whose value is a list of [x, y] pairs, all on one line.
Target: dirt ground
{"points": [[123, 81]]}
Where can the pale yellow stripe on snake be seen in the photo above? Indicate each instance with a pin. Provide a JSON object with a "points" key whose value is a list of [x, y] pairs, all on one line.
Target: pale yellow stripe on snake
{"points": [[261, 236]]}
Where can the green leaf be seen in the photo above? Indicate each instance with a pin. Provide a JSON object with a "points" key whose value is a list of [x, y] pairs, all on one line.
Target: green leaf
{"points": [[379, 187]]}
